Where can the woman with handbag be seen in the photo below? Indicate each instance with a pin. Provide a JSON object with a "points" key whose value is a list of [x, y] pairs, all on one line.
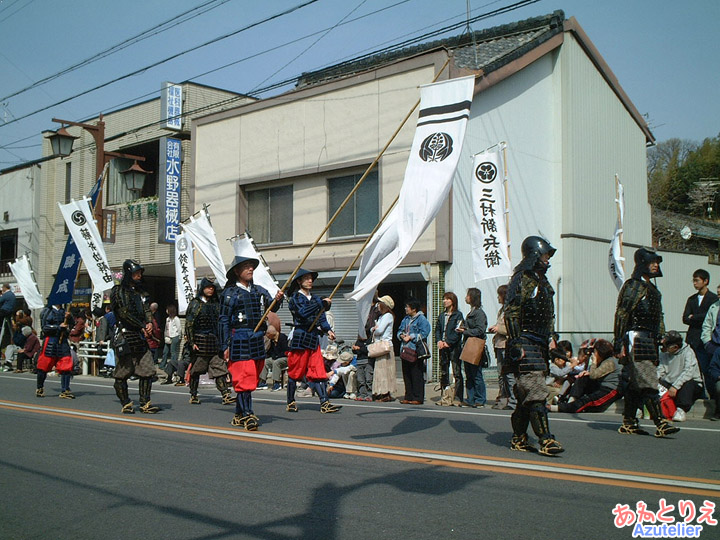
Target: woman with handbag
{"points": [[414, 331], [384, 382], [474, 329], [449, 344]]}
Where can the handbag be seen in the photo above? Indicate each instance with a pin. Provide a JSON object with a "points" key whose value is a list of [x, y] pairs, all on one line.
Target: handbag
{"points": [[473, 350], [422, 350], [379, 348], [408, 354]]}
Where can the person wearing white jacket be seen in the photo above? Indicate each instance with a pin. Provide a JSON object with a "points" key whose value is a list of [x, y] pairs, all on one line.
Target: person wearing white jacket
{"points": [[678, 371]]}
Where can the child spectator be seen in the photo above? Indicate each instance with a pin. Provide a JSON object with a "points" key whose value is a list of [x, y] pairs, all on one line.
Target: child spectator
{"points": [[344, 368], [364, 366]]}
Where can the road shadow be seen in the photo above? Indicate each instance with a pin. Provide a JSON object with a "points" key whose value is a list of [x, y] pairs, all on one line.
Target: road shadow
{"points": [[410, 424], [313, 521]]}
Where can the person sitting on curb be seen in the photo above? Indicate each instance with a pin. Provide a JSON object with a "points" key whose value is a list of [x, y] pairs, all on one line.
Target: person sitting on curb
{"points": [[678, 371]]}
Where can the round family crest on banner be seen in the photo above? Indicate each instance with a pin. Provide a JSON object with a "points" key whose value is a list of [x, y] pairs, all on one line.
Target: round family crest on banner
{"points": [[436, 147], [486, 172], [78, 218], [182, 244]]}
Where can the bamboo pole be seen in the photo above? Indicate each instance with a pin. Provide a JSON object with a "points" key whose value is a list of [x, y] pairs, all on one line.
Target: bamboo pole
{"points": [[507, 204], [619, 218], [362, 248], [345, 202]]}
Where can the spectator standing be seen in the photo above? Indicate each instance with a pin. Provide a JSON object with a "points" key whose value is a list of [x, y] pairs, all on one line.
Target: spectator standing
{"points": [[384, 375], [449, 344], [475, 326], [413, 333], [678, 372], [506, 374], [173, 332], [696, 308], [7, 308]]}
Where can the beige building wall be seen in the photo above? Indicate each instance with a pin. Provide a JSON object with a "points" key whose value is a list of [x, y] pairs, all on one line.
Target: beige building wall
{"points": [[137, 222], [304, 138]]}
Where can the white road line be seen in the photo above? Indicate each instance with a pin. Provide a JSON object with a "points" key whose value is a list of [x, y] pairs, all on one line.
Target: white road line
{"points": [[436, 456], [444, 411]]}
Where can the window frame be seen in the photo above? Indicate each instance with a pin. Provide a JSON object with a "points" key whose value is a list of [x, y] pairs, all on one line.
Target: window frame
{"points": [[268, 190], [357, 176]]}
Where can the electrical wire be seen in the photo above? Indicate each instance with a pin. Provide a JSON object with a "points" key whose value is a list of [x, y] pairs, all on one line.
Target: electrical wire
{"points": [[159, 62], [293, 79], [145, 34]]}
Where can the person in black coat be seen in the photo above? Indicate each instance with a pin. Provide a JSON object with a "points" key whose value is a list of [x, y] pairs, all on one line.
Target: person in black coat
{"points": [[449, 344], [696, 308]]}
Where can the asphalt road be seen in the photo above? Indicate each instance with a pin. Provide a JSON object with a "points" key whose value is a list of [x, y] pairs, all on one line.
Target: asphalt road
{"points": [[79, 469]]}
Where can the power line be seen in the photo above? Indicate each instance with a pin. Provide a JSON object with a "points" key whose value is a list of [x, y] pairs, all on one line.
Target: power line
{"points": [[290, 80], [18, 9], [145, 34], [309, 46], [398, 46], [159, 62]]}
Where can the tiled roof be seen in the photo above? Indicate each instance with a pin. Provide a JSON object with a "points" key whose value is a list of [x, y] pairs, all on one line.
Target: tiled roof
{"points": [[487, 49], [701, 228]]}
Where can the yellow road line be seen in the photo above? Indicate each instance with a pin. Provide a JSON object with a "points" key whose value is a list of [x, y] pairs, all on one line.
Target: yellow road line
{"points": [[545, 469]]}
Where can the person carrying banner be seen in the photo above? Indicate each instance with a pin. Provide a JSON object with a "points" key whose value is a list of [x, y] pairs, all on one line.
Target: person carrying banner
{"points": [[134, 324], [55, 352], [638, 330], [304, 357], [201, 333], [530, 320], [242, 305]]}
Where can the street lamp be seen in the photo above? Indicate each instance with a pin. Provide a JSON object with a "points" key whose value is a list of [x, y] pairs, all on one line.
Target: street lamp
{"points": [[135, 177], [61, 142]]}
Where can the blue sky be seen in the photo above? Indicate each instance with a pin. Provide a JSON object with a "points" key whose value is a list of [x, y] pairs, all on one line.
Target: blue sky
{"points": [[663, 53]]}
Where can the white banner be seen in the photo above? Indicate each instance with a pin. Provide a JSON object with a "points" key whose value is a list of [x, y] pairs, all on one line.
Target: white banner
{"points": [[615, 259], [244, 247], [203, 238], [23, 274], [184, 271], [81, 224], [434, 155], [489, 233]]}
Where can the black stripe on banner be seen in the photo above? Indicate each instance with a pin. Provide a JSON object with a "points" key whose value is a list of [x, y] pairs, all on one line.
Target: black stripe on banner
{"points": [[445, 109], [443, 120]]}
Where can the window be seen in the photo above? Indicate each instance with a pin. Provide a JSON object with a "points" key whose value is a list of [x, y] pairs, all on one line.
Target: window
{"points": [[362, 213], [270, 214], [8, 249]]}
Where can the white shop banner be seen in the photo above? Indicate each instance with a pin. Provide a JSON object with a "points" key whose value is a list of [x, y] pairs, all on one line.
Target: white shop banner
{"points": [[615, 258], [434, 155], [23, 274], [243, 246], [184, 271], [204, 240], [81, 224], [489, 232]]}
